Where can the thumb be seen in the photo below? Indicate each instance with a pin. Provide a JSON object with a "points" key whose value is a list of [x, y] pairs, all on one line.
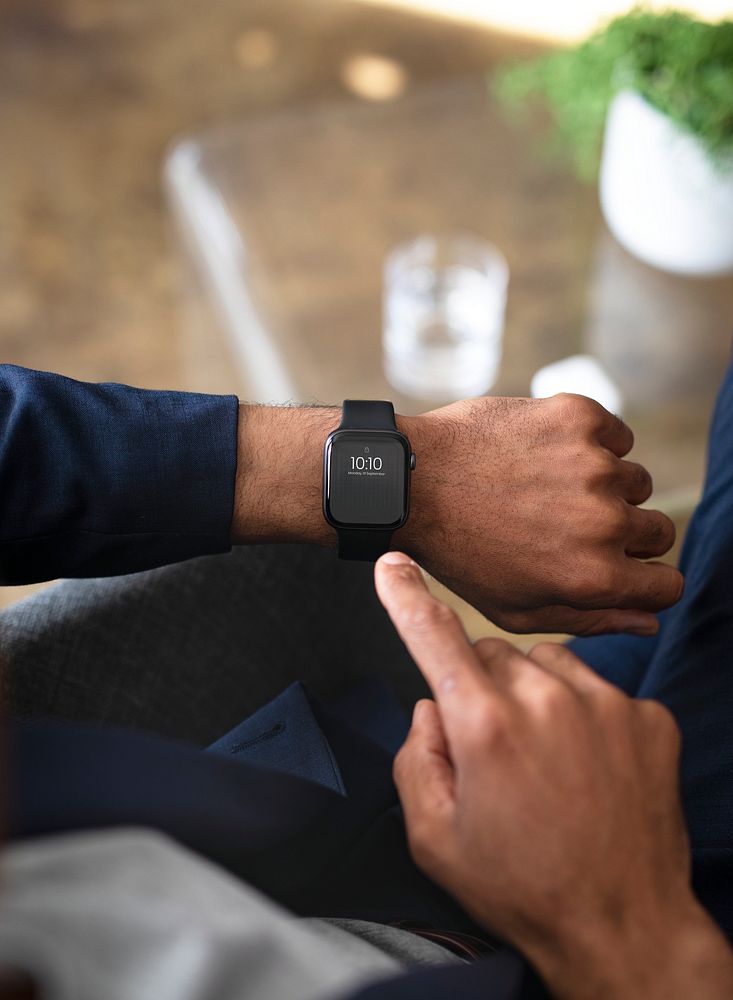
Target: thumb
{"points": [[423, 771]]}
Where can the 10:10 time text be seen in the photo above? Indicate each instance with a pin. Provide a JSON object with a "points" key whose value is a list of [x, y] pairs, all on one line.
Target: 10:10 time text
{"points": [[358, 462]]}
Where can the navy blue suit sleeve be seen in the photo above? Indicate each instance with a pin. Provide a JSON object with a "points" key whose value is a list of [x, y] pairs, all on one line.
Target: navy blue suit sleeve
{"points": [[99, 480]]}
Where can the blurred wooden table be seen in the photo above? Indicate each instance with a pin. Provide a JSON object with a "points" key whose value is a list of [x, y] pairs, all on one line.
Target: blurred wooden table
{"points": [[91, 95]]}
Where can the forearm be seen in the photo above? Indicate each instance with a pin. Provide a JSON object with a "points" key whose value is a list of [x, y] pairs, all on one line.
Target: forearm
{"points": [[278, 491]]}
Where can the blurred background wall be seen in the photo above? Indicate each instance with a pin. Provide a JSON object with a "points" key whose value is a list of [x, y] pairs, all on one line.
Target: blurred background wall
{"points": [[566, 20]]}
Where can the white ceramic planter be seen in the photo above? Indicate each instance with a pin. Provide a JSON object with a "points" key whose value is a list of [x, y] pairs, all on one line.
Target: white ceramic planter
{"points": [[662, 197]]}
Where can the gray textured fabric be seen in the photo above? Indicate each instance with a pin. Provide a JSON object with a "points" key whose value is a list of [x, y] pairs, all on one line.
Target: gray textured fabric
{"points": [[130, 915], [190, 650], [408, 949]]}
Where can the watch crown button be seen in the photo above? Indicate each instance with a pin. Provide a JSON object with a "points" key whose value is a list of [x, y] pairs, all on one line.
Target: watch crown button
{"points": [[413, 462]]}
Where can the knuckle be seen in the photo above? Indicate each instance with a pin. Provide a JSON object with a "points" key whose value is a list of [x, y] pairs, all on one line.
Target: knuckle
{"points": [[606, 584], [617, 524], [659, 718], [489, 647], [550, 698], [620, 427], [595, 584], [545, 650], [484, 725], [601, 468], [577, 409], [613, 521], [427, 616]]}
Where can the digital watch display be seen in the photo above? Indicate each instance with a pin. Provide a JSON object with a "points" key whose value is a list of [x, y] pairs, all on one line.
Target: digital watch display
{"points": [[366, 478]]}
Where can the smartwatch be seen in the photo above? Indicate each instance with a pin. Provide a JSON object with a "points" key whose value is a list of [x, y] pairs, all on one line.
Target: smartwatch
{"points": [[366, 478]]}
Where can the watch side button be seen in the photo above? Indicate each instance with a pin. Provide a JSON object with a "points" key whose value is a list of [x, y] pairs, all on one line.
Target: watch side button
{"points": [[413, 462]]}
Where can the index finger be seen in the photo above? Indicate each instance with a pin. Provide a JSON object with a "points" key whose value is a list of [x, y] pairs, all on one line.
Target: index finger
{"points": [[430, 630]]}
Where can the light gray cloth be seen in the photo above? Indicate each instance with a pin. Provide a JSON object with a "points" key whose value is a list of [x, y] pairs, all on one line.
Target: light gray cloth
{"points": [[131, 915]]}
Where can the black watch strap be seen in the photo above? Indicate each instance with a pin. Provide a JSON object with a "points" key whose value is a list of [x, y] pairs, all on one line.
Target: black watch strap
{"points": [[366, 546], [367, 414], [359, 415]]}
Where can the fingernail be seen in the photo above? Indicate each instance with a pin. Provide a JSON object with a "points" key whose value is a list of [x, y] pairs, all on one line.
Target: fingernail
{"points": [[397, 559]]}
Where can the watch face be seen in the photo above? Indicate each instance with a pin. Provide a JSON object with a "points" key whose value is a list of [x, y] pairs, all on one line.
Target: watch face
{"points": [[366, 478]]}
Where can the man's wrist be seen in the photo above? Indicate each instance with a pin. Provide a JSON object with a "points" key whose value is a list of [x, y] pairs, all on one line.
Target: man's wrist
{"points": [[676, 958], [427, 440], [279, 481]]}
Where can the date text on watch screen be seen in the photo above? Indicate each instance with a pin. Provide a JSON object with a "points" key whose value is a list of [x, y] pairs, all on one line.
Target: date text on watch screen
{"points": [[367, 482]]}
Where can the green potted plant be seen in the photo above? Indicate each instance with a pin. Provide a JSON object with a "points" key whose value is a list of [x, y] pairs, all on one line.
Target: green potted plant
{"points": [[646, 103]]}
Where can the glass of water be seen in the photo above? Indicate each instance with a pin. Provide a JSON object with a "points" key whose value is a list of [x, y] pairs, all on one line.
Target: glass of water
{"points": [[444, 301]]}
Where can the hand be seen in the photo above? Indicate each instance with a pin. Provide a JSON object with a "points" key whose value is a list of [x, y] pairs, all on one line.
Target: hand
{"points": [[547, 803], [527, 510]]}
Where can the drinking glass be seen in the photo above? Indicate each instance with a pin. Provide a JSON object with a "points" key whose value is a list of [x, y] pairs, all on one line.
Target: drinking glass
{"points": [[444, 302]]}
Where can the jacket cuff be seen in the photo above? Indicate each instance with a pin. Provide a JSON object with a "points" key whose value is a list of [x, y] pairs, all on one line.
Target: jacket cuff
{"points": [[99, 480]]}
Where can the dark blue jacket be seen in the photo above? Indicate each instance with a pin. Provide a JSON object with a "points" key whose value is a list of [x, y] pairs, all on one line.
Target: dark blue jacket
{"points": [[105, 479]]}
